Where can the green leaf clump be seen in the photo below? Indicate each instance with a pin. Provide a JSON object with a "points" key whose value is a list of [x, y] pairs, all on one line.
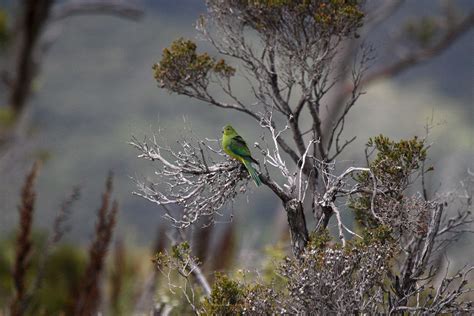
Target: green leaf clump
{"points": [[319, 239], [395, 161], [338, 17], [182, 67], [227, 297], [181, 250], [395, 166], [335, 13]]}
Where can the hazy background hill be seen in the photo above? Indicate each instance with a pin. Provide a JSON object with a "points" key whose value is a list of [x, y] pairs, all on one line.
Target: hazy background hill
{"points": [[96, 90]]}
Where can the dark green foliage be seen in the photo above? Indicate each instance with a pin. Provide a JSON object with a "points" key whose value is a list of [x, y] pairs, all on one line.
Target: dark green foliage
{"points": [[381, 234], [59, 280], [319, 239], [338, 17], [396, 161], [182, 66], [180, 250], [360, 206], [333, 14], [227, 297], [395, 166], [63, 273]]}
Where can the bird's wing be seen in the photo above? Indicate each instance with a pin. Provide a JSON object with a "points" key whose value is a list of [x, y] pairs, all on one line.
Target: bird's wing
{"points": [[238, 146]]}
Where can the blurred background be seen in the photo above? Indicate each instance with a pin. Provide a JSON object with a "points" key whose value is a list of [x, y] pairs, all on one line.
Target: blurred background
{"points": [[95, 90]]}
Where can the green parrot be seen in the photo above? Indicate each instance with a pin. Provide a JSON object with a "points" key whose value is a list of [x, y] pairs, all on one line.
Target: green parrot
{"points": [[234, 145]]}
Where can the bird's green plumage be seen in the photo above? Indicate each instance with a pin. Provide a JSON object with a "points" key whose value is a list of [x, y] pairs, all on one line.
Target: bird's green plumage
{"points": [[234, 145]]}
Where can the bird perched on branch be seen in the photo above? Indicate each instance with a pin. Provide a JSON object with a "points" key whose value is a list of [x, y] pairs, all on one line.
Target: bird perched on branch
{"points": [[234, 145]]}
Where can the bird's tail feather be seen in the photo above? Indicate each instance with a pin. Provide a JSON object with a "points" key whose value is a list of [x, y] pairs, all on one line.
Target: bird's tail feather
{"points": [[253, 173]]}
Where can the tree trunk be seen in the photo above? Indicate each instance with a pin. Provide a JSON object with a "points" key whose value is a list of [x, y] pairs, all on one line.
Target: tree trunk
{"points": [[297, 223], [29, 27]]}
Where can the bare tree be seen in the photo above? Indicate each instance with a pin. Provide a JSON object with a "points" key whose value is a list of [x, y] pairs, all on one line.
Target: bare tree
{"points": [[293, 55], [288, 72]]}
